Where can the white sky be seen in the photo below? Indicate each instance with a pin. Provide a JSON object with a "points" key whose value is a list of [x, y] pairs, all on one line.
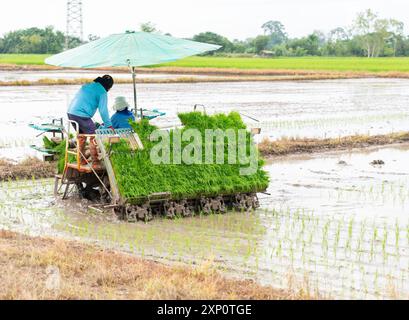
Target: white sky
{"points": [[183, 18]]}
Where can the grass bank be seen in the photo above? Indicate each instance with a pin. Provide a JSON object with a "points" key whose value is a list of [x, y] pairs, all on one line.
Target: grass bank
{"points": [[38, 268], [30, 168], [340, 64], [269, 148], [304, 63], [23, 59]]}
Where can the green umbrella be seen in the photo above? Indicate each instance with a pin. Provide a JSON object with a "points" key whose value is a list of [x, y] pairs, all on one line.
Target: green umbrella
{"points": [[130, 49]]}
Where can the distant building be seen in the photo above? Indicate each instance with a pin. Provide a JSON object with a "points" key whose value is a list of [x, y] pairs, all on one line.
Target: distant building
{"points": [[267, 53]]}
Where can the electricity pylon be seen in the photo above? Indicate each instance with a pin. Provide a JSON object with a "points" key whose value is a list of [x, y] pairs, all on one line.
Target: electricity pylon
{"points": [[74, 21]]}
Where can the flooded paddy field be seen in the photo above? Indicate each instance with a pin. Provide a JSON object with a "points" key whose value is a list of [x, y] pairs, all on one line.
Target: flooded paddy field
{"points": [[331, 108], [334, 223]]}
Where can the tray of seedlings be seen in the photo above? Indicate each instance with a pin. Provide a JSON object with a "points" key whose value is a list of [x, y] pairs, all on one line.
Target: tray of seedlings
{"points": [[186, 171]]}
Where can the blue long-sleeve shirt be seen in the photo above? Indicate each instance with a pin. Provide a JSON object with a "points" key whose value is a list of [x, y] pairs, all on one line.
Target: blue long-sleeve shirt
{"points": [[90, 98], [120, 120]]}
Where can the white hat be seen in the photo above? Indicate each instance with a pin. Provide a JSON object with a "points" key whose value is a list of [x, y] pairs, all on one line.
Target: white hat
{"points": [[120, 104]]}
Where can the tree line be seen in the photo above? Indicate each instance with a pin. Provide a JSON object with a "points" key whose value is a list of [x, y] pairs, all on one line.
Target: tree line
{"points": [[36, 40], [369, 35]]}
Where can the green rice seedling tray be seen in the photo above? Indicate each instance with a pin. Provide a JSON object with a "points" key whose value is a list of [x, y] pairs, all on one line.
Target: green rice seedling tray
{"points": [[138, 179]]}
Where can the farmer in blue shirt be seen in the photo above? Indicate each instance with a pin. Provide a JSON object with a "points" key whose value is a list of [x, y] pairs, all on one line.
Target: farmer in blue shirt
{"points": [[120, 120], [90, 98]]}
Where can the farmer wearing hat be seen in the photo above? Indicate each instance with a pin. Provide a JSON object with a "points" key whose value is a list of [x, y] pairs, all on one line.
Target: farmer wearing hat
{"points": [[90, 98], [120, 120]]}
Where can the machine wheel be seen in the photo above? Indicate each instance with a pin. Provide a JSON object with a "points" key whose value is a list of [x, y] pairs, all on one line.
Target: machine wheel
{"points": [[138, 213], [218, 205], [205, 205], [170, 211], [213, 205], [175, 209], [252, 201], [245, 202]]}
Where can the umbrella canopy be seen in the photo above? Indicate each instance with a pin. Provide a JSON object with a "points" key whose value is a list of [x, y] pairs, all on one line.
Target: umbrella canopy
{"points": [[132, 49]]}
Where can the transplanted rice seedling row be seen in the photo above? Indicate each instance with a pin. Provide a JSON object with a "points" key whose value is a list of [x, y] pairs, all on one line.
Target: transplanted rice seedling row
{"points": [[12, 142], [25, 206], [394, 194], [322, 127], [333, 122], [340, 255]]}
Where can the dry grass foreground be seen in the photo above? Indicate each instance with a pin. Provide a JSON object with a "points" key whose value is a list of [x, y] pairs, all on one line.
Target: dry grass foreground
{"points": [[269, 148], [37, 268], [30, 168]]}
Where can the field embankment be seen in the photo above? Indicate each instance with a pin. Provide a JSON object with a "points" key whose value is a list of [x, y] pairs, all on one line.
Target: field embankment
{"points": [[309, 68], [30, 168], [269, 148], [187, 79], [38, 268]]}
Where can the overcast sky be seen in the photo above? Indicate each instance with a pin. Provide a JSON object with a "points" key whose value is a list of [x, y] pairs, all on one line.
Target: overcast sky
{"points": [[183, 18]]}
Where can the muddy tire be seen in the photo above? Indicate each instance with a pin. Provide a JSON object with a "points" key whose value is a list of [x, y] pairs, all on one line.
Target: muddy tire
{"points": [[138, 213], [239, 203], [205, 206], [175, 209]]}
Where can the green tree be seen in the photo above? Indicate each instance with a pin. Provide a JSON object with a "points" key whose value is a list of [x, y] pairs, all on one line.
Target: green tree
{"points": [[374, 34], [281, 50], [396, 33], [338, 34], [214, 38], [337, 43], [276, 31], [402, 46], [309, 45], [148, 27], [364, 28], [260, 43], [322, 38], [73, 42], [239, 46], [33, 40]]}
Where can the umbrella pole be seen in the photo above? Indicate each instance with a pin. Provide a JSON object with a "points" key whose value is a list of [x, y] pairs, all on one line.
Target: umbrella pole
{"points": [[134, 92]]}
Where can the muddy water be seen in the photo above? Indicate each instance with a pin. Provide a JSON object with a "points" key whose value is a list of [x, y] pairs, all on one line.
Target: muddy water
{"points": [[333, 223], [345, 182], [293, 109]]}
